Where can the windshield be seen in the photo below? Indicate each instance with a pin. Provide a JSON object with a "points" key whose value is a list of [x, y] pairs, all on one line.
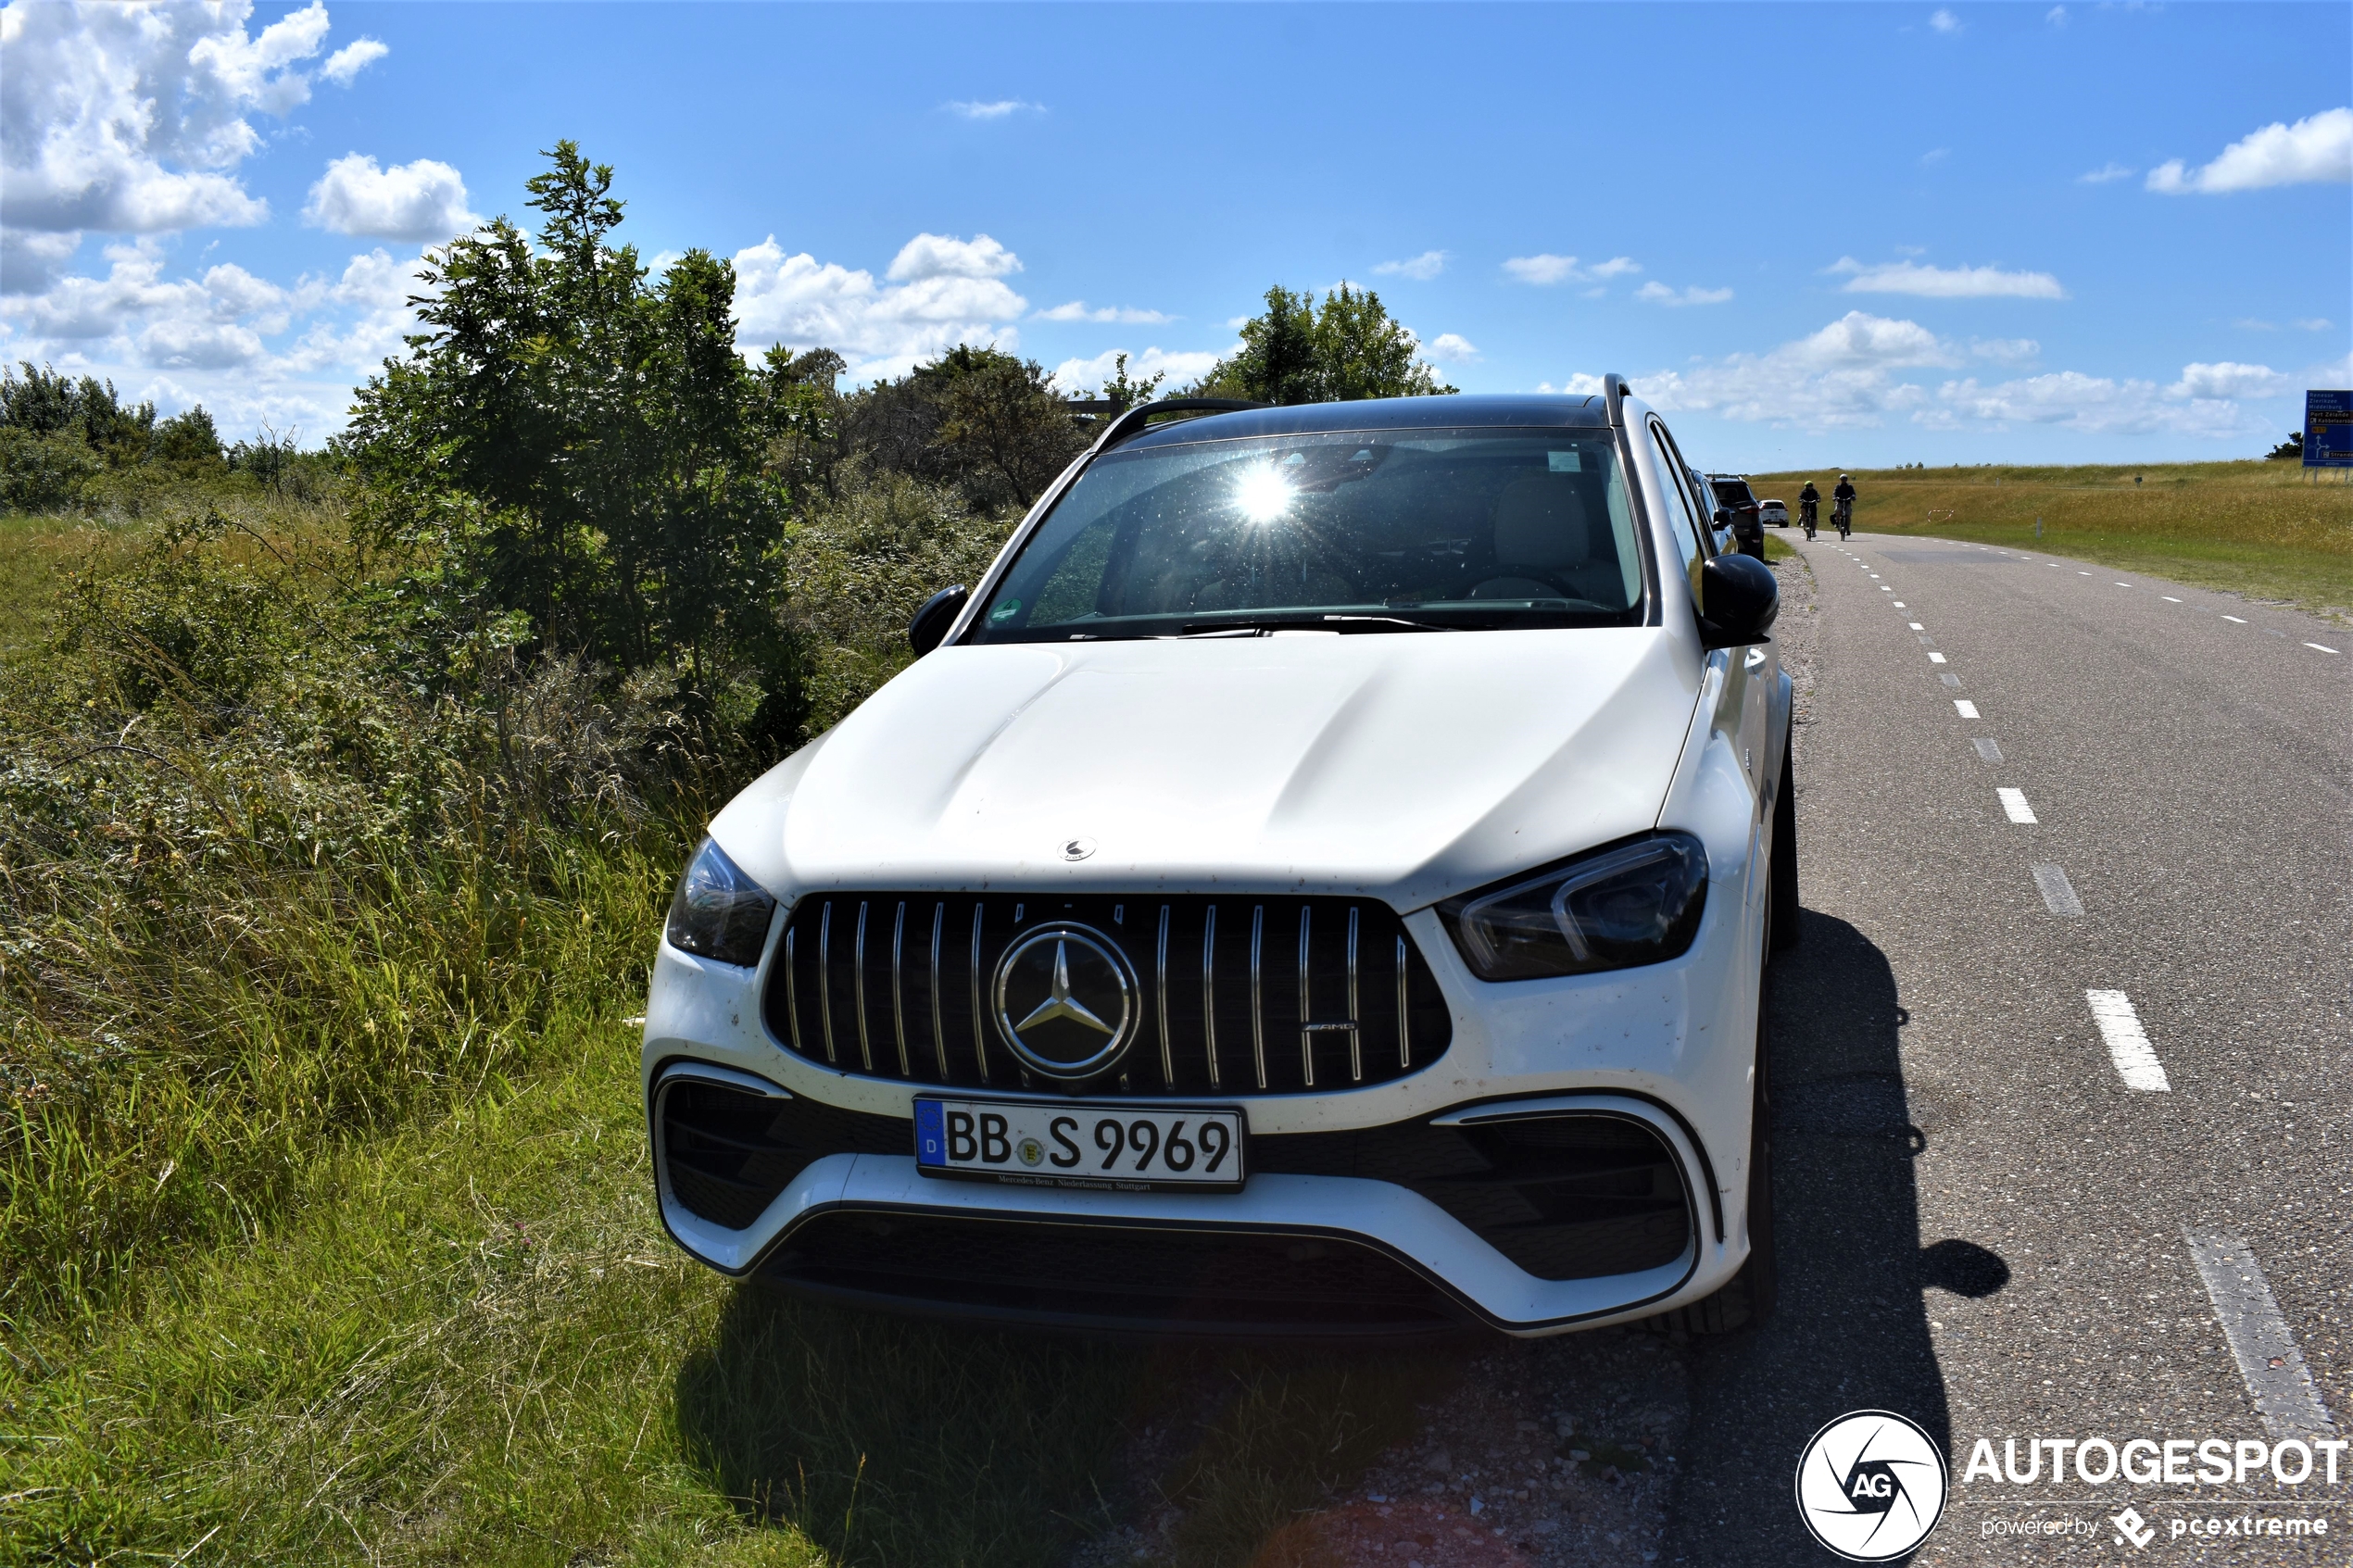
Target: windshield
{"points": [[1350, 531], [1733, 493]]}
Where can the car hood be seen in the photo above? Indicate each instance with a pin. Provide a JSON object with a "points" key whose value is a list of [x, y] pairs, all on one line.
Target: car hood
{"points": [[1407, 766]]}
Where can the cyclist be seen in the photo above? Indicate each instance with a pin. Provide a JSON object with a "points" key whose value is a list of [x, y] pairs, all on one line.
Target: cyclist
{"points": [[1810, 501], [1842, 506]]}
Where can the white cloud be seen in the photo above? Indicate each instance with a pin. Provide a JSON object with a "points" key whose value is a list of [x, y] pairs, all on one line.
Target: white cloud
{"points": [[2092, 405], [2105, 173], [353, 58], [1546, 269], [1578, 385], [2316, 150], [1945, 21], [1077, 376], [998, 108], [1655, 292], [423, 200], [1451, 349], [1075, 310], [2006, 350], [943, 292], [943, 256], [2056, 16], [30, 262], [2315, 323], [132, 118], [1934, 156], [1945, 282], [1421, 269], [1862, 371], [2228, 380]]}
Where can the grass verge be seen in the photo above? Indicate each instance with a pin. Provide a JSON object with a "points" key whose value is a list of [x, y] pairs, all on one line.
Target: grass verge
{"points": [[470, 1342], [2260, 529]]}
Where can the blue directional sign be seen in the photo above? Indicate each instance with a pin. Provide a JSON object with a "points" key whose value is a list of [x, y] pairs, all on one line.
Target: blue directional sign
{"points": [[2328, 430]]}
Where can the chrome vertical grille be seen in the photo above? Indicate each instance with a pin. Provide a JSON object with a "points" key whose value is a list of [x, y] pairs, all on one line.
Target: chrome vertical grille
{"points": [[1355, 994]]}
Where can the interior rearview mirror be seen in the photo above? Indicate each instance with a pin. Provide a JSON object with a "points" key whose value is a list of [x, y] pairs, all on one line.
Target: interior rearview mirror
{"points": [[1738, 601], [932, 622]]}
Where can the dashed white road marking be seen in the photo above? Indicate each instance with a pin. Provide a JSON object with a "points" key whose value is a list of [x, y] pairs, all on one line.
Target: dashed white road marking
{"points": [[1885, 589], [1936, 659], [2082, 574], [2240, 619], [2323, 646], [1899, 604], [2128, 1042], [2014, 802], [2277, 1379], [2058, 894], [1917, 627], [1967, 709], [1988, 748], [2169, 598], [2124, 584]]}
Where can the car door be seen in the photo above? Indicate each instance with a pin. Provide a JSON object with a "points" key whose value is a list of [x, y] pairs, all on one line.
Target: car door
{"points": [[1745, 676]]}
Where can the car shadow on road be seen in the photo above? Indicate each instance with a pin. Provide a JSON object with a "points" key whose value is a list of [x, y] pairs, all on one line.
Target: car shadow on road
{"points": [[1852, 1331]]}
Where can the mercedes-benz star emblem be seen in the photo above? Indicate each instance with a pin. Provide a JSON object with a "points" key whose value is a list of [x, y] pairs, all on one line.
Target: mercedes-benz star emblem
{"points": [[1065, 1001]]}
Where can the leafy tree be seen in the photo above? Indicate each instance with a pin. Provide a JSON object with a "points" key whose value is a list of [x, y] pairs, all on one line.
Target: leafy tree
{"points": [[187, 442], [1298, 352], [570, 443], [1124, 392], [44, 403], [2288, 451]]}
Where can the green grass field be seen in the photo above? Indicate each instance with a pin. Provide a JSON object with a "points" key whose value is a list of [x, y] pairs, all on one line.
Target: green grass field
{"points": [[2264, 530]]}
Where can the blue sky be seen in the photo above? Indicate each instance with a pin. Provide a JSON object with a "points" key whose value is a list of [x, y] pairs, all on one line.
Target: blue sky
{"points": [[1846, 235]]}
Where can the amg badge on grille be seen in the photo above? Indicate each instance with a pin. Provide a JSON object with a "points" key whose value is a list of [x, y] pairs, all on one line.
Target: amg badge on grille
{"points": [[1066, 1001]]}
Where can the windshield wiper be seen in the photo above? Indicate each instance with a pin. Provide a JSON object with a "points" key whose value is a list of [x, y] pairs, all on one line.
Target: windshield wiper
{"points": [[1259, 627]]}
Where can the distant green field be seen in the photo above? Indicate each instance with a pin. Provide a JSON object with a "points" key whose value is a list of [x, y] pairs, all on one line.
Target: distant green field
{"points": [[2260, 529]]}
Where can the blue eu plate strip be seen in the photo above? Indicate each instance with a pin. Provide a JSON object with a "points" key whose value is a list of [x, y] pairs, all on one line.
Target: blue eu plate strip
{"points": [[930, 1140]]}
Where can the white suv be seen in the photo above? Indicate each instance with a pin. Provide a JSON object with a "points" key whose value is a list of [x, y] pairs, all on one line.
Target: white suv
{"points": [[1318, 882]]}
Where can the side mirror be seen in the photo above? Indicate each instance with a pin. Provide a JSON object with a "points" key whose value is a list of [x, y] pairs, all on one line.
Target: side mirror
{"points": [[932, 622], [1738, 598], [1723, 516]]}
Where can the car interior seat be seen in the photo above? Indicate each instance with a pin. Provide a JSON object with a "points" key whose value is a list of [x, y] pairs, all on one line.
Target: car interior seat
{"points": [[1543, 541]]}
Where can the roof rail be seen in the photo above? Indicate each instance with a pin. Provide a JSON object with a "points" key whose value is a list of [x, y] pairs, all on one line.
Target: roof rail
{"points": [[1614, 393], [1132, 422]]}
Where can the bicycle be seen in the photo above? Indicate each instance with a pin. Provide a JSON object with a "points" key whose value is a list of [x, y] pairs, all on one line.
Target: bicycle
{"points": [[1806, 515], [1843, 515]]}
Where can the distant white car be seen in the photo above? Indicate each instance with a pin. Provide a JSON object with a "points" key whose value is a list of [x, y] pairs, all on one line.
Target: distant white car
{"points": [[1774, 514], [1318, 882]]}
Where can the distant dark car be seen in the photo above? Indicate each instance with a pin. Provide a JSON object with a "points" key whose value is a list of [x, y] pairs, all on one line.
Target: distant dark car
{"points": [[1733, 494]]}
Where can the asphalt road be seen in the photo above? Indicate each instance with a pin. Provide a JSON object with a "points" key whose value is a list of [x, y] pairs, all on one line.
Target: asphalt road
{"points": [[1984, 1225]]}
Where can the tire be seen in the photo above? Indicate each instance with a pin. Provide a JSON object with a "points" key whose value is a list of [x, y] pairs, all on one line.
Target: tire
{"points": [[1750, 1296], [1782, 924]]}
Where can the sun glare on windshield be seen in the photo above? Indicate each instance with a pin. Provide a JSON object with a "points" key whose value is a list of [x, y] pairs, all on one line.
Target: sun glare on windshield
{"points": [[1262, 493]]}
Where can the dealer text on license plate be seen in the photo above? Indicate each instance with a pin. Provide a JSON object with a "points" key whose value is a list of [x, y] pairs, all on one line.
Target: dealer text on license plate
{"points": [[1066, 1143]]}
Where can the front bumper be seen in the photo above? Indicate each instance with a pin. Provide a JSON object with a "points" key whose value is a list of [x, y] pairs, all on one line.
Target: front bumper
{"points": [[1669, 1047]]}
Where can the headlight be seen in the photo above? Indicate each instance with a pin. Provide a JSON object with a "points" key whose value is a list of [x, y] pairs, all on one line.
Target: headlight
{"points": [[719, 912], [1635, 904]]}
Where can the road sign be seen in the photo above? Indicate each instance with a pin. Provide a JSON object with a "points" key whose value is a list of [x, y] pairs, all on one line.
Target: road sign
{"points": [[2328, 430]]}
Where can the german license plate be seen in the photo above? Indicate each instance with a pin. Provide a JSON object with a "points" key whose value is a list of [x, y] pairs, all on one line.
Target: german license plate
{"points": [[1068, 1143]]}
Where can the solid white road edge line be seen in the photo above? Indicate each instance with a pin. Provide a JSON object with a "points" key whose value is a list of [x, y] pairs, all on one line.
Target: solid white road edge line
{"points": [[2277, 1379], [2014, 802], [2128, 1043], [2058, 894]]}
